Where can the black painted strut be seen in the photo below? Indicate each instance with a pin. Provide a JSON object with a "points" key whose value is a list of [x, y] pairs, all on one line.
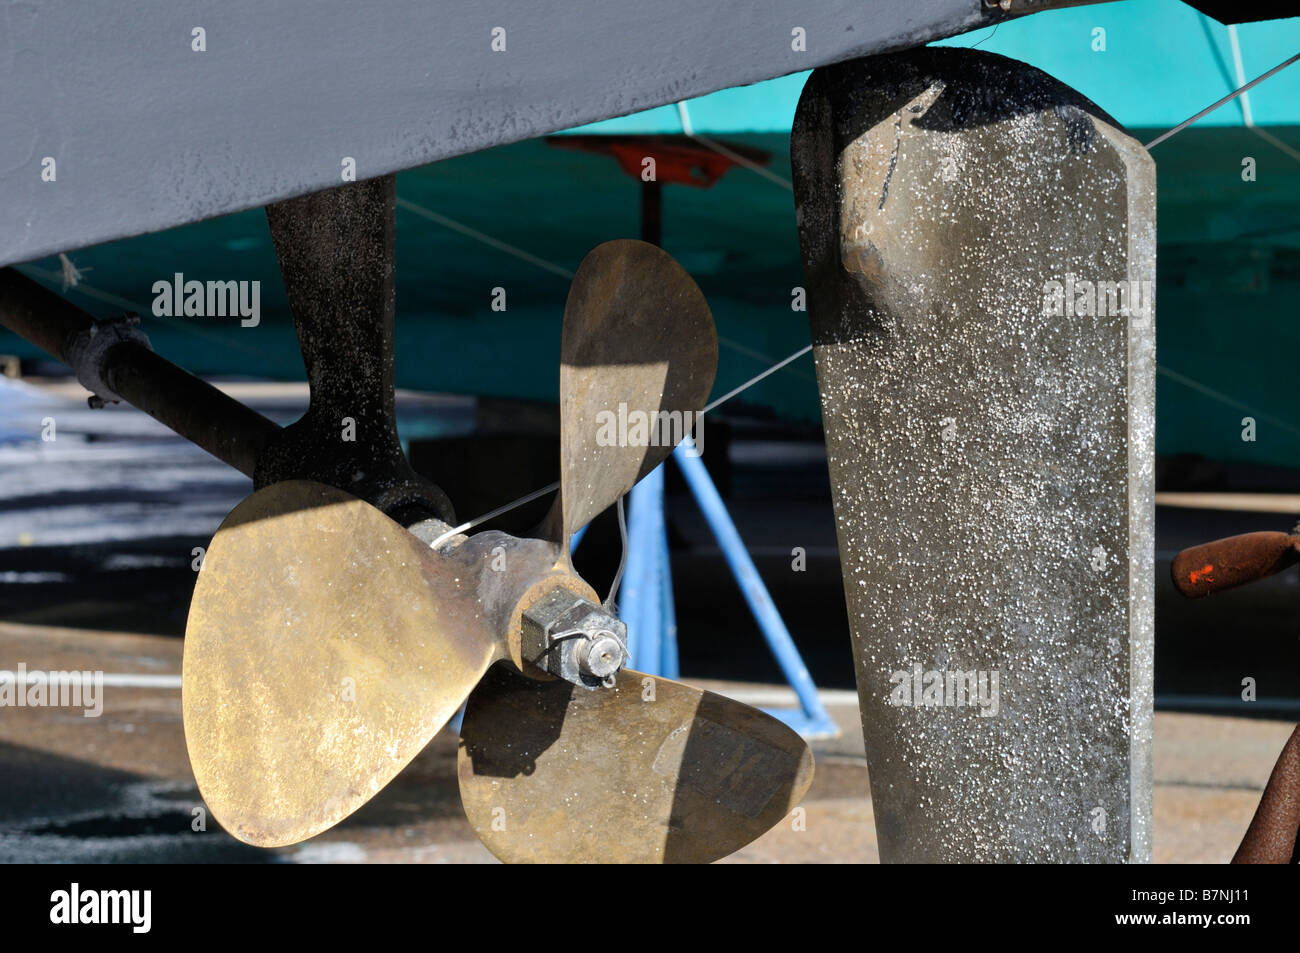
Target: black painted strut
{"points": [[336, 256]]}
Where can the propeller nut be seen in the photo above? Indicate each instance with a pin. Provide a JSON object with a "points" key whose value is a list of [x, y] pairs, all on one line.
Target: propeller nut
{"points": [[573, 639], [601, 656]]}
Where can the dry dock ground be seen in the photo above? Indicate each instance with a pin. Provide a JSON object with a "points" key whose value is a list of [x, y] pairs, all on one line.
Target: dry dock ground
{"points": [[117, 788]]}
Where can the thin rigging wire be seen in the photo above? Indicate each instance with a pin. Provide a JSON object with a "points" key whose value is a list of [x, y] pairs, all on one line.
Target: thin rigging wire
{"points": [[1226, 99], [555, 486]]}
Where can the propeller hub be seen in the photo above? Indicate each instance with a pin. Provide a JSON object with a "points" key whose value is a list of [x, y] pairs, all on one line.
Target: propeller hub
{"points": [[573, 639]]}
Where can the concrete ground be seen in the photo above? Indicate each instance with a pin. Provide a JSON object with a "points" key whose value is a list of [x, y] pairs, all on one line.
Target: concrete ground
{"points": [[117, 788]]}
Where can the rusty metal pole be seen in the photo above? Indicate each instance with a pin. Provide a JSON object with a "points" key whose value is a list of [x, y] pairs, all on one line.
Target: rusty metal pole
{"points": [[990, 431], [1227, 563], [1274, 833], [175, 398]]}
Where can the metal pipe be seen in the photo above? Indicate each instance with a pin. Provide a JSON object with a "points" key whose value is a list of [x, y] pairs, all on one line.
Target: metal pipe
{"points": [[199, 412], [751, 584], [1235, 561], [640, 604], [669, 664], [577, 538], [38, 315], [651, 490], [193, 408]]}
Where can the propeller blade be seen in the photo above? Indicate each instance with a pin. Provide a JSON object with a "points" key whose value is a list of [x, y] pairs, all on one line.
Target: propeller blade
{"points": [[639, 347], [325, 647], [648, 771]]}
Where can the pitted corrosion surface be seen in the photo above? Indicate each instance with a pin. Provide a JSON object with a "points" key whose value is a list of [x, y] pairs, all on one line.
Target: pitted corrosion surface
{"points": [[992, 463]]}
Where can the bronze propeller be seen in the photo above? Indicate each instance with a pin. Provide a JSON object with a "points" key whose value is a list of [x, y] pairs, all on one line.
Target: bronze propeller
{"points": [[327, 644]]}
